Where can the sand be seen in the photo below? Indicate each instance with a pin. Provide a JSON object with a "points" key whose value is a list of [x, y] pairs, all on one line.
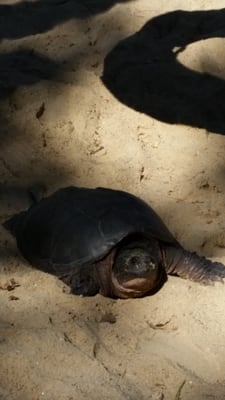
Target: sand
{"points": [[62, 124]]}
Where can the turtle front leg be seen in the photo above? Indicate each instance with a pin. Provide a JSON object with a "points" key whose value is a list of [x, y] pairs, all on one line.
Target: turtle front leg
{"points": [[83, 281], [189, 265]]}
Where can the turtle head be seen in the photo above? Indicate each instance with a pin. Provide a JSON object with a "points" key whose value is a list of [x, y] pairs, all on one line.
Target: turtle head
{"points": [[136, 270]]}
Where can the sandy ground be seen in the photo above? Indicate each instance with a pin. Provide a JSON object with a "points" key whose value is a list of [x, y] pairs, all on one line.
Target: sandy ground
{"points": [[158, 136]]}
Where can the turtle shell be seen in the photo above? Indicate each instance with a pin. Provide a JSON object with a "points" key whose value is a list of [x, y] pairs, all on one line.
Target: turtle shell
{"points": [[78, 226]]}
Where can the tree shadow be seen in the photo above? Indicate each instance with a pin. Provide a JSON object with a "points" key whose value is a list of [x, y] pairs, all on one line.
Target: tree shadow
{"points": [[25, 71], [30, 18], [18, 175], [20, 68], [144, 73], [24, 67]]}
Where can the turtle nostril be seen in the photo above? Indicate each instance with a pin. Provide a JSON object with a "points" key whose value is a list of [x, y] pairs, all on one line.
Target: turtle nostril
{"points": [[135, 264], [134, 260]]}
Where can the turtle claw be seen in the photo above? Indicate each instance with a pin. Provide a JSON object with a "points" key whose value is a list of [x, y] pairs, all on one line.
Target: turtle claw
{"points": [[214, 273]]}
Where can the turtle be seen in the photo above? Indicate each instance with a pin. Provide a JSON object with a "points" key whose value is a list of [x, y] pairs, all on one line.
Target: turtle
{"points": [[107, 241]]}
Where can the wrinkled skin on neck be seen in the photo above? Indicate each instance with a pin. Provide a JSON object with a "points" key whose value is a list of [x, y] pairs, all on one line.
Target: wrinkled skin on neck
{"points": [[189, 265]]}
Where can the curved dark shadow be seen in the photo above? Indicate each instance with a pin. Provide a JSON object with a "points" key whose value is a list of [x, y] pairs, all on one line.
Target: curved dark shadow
{"points": [[24, 67], [143, 72], [30, 18]]}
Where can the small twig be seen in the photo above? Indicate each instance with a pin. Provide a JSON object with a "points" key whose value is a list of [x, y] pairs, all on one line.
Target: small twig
{"points": [[11, 285], [13, 298], [40, 111], [108, 317], [67, 338], [178, 394], [161, 325]]}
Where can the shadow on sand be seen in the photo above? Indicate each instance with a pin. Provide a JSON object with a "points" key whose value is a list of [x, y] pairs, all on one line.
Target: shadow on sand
{"points": [[144, 73], [30, 18]]}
